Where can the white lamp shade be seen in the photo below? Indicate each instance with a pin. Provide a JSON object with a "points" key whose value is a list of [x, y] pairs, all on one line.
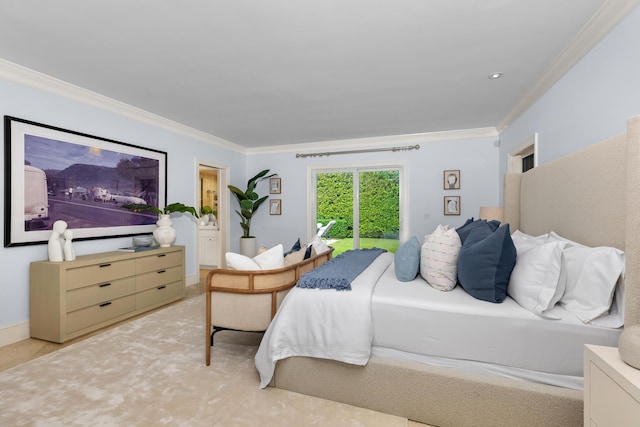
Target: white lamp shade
{"points": [[491, 213]]}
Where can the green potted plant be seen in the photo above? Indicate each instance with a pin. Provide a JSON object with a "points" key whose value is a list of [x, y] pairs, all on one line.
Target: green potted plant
{"points": [[164, 233], [209, 216], [206, 210], [249, 202], [168, 210]]}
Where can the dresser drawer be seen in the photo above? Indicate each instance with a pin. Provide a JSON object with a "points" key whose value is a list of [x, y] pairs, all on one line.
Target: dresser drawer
{"points": [[157, 262], [99, 273], [159, 294], [156, 278], [99, 293], [98, 313]]}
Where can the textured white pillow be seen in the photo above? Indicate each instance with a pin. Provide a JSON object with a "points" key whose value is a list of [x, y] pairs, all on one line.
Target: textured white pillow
{"points": [[537, 281], [592, 276], [439, 258], [267, 260], [295, 257], [319, 246]]}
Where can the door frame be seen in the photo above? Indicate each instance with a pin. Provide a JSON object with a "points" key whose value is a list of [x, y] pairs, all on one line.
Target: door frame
{"points": [[402, 165], [224, 230]]}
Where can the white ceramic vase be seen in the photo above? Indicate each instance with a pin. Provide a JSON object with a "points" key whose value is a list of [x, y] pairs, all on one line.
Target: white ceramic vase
{"points": [[248, 246], [164, 233]]}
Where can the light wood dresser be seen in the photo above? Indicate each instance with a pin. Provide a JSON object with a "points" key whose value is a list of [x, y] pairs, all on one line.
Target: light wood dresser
{"points": [[611, 389], [72, 298]]}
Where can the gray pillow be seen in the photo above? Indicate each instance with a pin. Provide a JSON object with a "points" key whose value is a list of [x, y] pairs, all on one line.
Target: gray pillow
{"points": [[407, 260]]}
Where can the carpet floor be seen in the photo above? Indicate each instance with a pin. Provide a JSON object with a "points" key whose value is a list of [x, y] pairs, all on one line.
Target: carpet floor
{"points": [[151, 372]]}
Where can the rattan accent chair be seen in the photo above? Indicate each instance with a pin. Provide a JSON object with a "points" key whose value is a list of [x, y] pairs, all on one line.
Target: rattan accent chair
{"points": [[247, 300]]}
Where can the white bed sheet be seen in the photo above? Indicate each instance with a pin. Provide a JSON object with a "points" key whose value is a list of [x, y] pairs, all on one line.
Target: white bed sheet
{"points": [[416, 319], [323, 323]]}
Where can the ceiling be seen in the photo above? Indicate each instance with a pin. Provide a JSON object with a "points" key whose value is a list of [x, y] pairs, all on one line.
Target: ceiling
{"points": [[269, 73]]}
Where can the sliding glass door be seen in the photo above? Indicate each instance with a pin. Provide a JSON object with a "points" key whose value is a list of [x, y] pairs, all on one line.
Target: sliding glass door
{"points": [[363, 202]]}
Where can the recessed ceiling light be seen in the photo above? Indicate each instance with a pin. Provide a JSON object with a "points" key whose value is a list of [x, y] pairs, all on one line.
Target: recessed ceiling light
{"points": [[495, 76]]}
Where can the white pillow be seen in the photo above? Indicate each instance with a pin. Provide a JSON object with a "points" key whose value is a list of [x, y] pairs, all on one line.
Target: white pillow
{"points": [[295, 257], [522, 240], [268, 260], [592, 276], [537, 281], [439, 258], [319, 246]]}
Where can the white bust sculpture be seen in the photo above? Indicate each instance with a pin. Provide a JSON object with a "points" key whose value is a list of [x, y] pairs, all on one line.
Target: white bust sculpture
{"points": [[69, 252], [55, 241]]}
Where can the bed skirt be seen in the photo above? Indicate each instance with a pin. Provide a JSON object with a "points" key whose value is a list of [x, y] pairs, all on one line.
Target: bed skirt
{"points": [[432, 395]]}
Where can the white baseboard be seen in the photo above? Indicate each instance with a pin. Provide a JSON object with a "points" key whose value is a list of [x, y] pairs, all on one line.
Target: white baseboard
{"points": [[192, 279], [14, 333]]}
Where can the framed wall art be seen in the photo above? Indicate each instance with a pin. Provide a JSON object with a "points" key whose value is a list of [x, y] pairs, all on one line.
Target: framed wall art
{"points": [[452, 205], [451, 180], [57, 174], [275, 185], [275, 207]]}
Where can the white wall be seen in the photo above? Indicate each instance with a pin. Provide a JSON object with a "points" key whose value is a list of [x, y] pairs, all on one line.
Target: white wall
{"points": [[590, 103], [43, 107], [476, 158]]}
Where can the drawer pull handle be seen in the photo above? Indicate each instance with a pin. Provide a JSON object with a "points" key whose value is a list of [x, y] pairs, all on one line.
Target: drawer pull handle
{"points": [[161, 287], [161, 255], [105, 265], [104, 304], [104, 285], [162, 271]]}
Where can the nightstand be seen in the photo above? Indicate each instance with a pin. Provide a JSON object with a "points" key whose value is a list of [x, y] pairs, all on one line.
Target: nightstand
{"points": [[611, 389]]}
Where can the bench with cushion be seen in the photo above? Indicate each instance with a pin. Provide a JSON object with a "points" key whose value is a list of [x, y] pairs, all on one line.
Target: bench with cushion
{"points": [[246, 299]]}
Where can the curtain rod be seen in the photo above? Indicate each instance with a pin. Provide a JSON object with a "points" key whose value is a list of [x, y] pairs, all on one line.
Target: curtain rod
{"points": [[368, 150]]}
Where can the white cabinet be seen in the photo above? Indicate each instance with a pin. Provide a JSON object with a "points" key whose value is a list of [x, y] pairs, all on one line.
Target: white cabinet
{"points": [[208, 246], [611, 389]]}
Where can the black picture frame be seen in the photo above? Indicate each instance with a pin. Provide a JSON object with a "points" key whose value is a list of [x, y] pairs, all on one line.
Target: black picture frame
{"points": [[59, 174]]}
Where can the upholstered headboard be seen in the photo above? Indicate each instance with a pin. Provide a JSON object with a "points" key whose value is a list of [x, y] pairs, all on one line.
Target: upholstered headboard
{"points": [[591, 196]]}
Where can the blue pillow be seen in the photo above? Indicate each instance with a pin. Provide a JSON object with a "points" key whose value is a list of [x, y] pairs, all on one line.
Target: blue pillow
{"points": [[295, 248], [470, 225], [407, 260], [307, 253], [485, 263]]}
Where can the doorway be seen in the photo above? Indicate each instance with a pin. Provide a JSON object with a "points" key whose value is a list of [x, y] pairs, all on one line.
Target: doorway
{"points": [[213, 226]]}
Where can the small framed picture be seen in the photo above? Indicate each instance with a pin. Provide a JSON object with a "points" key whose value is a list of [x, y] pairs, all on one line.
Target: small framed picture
{"points": [[452, 205], [275, 207], [451, 180], [274, 186]]}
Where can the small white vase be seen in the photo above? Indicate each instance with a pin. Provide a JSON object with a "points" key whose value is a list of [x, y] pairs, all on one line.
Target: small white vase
{"points": [[248, 246], [164, 233]]}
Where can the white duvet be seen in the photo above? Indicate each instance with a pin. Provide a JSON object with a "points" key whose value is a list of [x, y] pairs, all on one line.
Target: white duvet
{"points": [[323, 323]]}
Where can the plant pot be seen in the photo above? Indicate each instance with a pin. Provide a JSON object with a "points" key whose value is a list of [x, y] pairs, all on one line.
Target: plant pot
{"points": [[248, 246], [164, 233]]}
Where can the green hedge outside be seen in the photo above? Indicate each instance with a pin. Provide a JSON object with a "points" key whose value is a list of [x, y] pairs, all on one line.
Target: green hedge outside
{"points": [[379, 204]]}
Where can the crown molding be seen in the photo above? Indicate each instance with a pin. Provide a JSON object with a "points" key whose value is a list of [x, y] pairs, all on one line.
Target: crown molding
{"points": [[28, 77], [610, 14], [378, 141]]}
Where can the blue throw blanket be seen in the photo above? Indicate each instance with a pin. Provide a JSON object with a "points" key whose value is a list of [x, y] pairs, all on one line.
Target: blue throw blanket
{"points": [[339, 272]]}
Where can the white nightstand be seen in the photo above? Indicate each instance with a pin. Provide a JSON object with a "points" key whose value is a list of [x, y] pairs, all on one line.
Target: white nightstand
{"points": [[611, 389]]}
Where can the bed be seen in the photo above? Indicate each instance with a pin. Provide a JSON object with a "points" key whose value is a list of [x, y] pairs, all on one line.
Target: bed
{"points": [[590, 197]]}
